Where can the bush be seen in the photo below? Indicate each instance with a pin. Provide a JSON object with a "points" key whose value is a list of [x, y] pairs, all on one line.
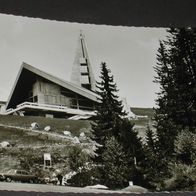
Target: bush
{"points": [[185, 147], [183, 178], [85, 177], [80, 162]]}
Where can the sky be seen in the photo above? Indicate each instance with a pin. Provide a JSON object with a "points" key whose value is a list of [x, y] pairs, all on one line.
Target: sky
{"points": [[129, 52]]}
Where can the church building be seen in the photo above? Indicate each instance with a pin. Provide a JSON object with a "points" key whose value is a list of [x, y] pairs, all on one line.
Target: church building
{"points": [[37, 93]]}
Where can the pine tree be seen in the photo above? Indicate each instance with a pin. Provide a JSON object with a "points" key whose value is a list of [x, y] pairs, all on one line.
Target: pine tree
{"points": [[151, 141], [133, 149], [183, 62], [116, 167], [176, 74], [152, 164], [166, 131], [109, 111], [111, 123], [131, 142]]}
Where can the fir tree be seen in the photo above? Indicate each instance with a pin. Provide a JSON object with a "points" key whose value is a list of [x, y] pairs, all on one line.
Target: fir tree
{"points": [[176, 74], [152, 164], [151, 142], [109, 111], [116, 167], [111, 123], [110, 119], [166, 131], [133, 149], [131, 142]]}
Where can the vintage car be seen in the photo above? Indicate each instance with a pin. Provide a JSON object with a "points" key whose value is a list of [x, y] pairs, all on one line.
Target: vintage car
{"points": [[18, 175]]}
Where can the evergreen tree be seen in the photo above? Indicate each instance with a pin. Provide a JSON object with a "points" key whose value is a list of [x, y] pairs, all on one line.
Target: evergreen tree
{"points": [[151, 141], [111, 123], [116, 167], [110, 119], [133, 149], [183, 168], [109, 110], [152, 165], [131, 142], [176, 74]]}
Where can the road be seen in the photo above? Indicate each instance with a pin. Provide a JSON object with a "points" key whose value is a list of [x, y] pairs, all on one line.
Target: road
{"points": [[26, 189], [13, 186]]}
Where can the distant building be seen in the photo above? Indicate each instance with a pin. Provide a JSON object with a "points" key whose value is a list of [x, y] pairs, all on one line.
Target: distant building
{"points": [[38, 93]]}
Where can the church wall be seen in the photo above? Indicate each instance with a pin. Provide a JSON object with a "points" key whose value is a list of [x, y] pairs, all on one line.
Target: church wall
{"points": [[49, 93], [45, 92], [40, 98], [45, 88]]}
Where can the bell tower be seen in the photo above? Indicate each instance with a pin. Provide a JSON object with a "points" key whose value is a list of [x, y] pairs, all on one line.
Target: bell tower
{"points": [[82, 74]]}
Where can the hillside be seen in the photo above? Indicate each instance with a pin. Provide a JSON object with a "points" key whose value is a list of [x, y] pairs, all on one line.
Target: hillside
{"points": [[57, 125], [60, 125], [26, 143], [143, 111]]}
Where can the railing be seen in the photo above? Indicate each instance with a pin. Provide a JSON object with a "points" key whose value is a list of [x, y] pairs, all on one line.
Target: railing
{"points": [[59, 108], [52, 106], [81, 110], [41, 105]]}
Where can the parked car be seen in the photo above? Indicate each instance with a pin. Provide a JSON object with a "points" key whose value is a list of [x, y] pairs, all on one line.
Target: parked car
{"points": [[18, 175]]}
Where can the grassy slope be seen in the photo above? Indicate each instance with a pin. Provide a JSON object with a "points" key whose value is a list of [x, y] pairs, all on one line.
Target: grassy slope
{"points": [[22, 139], [25, 141], [60, 125], [57, 125]]}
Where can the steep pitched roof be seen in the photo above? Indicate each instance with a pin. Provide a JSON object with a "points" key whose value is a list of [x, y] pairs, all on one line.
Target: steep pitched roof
{"points": [[77, 89]]}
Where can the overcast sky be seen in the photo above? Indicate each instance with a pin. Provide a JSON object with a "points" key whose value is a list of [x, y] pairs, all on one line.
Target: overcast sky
{"points": [[130, 53]]}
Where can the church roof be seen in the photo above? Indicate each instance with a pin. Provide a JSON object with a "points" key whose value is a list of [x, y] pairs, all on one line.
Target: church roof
{"points": [[77, 89]]}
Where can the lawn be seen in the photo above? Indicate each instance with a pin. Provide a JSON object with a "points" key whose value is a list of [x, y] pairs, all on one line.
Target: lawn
{"points": [[56, 124]]}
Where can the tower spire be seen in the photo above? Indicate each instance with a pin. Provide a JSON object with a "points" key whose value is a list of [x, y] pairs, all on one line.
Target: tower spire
{"points": [[82, 73]]}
